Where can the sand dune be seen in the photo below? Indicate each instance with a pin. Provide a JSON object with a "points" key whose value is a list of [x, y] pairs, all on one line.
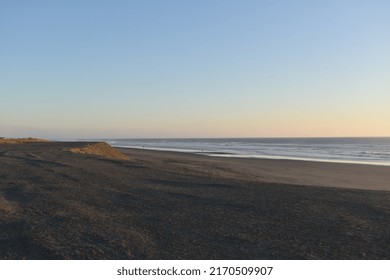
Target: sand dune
{"points": [[100, 149], [21, 140]]}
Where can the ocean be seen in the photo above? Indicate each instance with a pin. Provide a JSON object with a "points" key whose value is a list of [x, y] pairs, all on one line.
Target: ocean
{"points": [[349, 150]]}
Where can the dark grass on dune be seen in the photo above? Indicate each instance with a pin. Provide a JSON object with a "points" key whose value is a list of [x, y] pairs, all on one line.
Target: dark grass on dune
{"points": [[55, 204]]}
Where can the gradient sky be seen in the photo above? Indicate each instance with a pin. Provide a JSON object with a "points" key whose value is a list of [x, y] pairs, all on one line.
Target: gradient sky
{"points": [[264, 68]]}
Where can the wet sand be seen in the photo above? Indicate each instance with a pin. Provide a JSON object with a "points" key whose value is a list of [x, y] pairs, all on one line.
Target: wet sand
{"points": [[56, 204]]}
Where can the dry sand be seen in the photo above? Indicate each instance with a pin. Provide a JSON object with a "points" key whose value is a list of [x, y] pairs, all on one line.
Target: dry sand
{"points": [[57, 204], [21, 140], [100, 149]]}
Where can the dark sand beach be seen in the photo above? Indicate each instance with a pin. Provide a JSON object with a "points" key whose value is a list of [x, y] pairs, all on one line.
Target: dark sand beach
{"points": [[59, 204]]}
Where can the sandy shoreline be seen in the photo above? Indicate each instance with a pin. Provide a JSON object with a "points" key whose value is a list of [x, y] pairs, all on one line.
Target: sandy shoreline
{"points": [[299, 172], [56, 204]]}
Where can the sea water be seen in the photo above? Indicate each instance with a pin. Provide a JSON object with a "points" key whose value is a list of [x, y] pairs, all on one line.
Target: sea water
{"points": [[352, 150]]}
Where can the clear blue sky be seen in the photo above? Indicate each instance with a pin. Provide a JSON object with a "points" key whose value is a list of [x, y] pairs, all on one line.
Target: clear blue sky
{"points": [[84, 69]]}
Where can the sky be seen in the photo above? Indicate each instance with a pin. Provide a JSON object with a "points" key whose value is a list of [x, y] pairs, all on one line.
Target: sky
{"points": [[141, 69]]}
